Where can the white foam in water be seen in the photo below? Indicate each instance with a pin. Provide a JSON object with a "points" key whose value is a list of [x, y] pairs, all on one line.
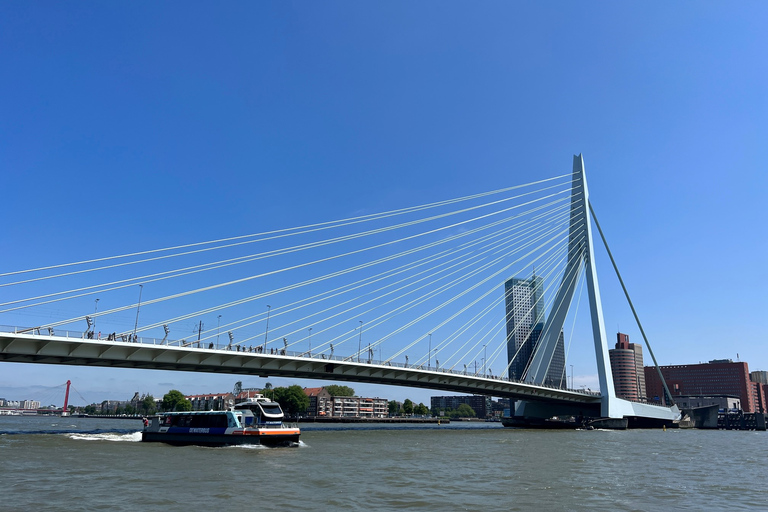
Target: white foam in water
{"points": [[132, 437], [249, 447], [302, 444]]}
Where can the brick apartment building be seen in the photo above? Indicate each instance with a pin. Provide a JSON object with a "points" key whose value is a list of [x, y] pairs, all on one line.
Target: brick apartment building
{"points": [[717, 377]]}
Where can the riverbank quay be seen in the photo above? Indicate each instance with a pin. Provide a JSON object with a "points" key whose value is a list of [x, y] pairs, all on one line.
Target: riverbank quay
{"points": [[322, 419], [111, 416]]}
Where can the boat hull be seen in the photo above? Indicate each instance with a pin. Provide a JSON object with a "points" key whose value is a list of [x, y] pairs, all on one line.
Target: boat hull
{"points": [[289, 438]]}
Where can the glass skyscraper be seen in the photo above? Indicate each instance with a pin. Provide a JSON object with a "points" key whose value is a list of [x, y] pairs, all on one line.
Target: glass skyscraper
{"points": [[525, 320]]}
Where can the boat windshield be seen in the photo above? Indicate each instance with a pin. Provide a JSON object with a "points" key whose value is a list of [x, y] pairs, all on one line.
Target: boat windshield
{"points": [[272, 409]]}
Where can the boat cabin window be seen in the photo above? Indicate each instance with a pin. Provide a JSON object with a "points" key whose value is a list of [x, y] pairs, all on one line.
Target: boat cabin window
{"points": [[272, 409], [197, 420], [209, 420]]}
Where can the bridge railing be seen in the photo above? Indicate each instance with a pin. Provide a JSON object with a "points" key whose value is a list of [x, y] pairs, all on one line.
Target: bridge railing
{"points": [[259, 349]]}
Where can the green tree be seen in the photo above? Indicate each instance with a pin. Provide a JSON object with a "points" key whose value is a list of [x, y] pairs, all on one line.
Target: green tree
{"points": [[408, 406], [336, 390], [292, 399], [267, 391], [465, 411], [421, 410], [394, 408], [148, 405], [174, 401]]}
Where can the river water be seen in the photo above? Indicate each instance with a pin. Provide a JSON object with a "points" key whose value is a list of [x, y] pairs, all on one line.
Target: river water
{"points": [[51, 463]]}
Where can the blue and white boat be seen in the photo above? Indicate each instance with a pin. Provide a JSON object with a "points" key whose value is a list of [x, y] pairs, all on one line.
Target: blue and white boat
{"points": [[254, 421]]}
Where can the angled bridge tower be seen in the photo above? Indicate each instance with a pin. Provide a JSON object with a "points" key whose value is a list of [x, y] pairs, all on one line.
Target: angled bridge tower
{"points": [[580, 259]]}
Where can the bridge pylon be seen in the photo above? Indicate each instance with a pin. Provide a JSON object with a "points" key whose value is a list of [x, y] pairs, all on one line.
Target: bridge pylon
{"points": [[581, 259]]}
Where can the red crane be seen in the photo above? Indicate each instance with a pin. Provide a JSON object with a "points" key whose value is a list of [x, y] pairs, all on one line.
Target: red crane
{"points": [[64, 411]]}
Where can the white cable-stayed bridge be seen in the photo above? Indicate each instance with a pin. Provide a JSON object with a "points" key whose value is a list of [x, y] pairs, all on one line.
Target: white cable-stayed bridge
{"points": [[411, 297]]}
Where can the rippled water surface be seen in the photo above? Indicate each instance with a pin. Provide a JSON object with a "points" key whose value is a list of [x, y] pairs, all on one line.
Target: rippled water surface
{"points": [[51, 463]]}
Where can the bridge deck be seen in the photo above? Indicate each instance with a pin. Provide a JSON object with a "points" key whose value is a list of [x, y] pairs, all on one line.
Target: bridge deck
{"points": [[55, 349]]}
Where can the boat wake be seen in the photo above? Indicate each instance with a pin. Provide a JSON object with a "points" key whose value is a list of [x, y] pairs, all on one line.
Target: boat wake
{"points": [[246, 447], [300, 444], [131, 437]]}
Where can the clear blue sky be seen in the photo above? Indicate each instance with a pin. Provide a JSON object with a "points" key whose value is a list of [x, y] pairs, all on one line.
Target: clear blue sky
{"points": [[139, 125]]}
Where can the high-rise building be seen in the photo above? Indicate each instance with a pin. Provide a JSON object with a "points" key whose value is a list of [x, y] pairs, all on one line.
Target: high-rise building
{"points": [[627, 369], [525, 317]]}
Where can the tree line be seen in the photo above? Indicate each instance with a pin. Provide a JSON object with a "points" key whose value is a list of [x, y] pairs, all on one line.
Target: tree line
{"points": [[292, 399]]}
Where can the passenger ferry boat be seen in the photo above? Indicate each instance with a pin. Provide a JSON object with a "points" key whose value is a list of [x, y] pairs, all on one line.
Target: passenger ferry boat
{"points": [[255, 421]]}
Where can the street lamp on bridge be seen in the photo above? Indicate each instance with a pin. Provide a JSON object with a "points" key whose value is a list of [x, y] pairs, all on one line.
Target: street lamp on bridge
{"points": [[360, 341], [218, 330], [138, 306], [429, 353], [266, 331], [95, 308]]}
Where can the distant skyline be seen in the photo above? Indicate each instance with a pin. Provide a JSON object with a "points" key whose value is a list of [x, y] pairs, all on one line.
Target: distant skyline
{"points": [[131, 127]]}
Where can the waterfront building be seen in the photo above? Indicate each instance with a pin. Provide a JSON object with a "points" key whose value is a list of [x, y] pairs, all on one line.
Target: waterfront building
{"points": [[319, 402], [220, 401], [723, 402], [211, 401], [759, 396], [760, 381], [479, 403], [627, 369], [718, 377], [322, 403], [525, 318], [111, 406], [501, 407], [30, 404], [765, 397]]}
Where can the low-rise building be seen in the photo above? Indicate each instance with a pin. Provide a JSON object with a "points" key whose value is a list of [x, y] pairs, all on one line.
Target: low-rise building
{"points": [[111, 406], [220, 401], [723, 402], [501, 407], [479, 403], [322, 404], [211, 401]]}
